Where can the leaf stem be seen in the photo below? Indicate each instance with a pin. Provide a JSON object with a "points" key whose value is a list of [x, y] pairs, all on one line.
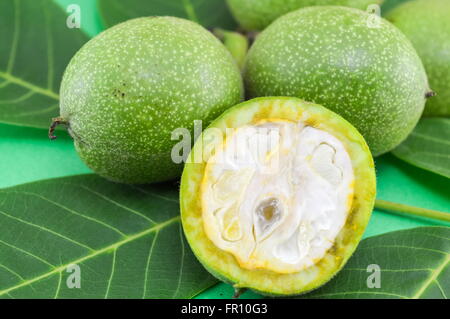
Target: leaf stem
{"points": [[417, 211]]}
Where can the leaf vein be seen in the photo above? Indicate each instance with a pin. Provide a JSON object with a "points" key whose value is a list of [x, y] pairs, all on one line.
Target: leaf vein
{"points": [[59, 286], [154, 194], [150, 254], [440, 288], [41, 228], [41, 111], [118, 204], [113, 266], [71, 211], [181, 264], [94, 254], [16, 34], [430, 138], [5, 83], [21, 98], [27, 253], [50, 57], [12, 271], [16, 80], [409, 247]]}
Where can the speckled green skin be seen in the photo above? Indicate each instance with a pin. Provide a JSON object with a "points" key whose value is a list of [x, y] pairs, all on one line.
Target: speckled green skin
{"points": [[373, 77], [427, 24], [255, 15], [127, 89]]}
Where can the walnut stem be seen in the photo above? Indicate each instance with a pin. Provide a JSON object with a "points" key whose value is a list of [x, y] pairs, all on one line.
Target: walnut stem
{"points": [[55, 122]]}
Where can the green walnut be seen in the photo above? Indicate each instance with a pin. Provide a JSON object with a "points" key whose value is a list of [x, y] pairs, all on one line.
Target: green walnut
{"points": [[254, 15], [127, 89], [350, 61], [427, 24], [276, 195]]}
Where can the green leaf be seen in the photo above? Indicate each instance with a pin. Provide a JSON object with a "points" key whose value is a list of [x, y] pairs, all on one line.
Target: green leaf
{"points": [[127, 241], [210, 13], [414, 263], [36, 46], [390, 4], [428, 146]]}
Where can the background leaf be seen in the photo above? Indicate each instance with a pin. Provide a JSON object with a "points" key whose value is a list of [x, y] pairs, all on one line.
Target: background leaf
{"points": [[428, 146], [390, 4], [36, 46], [209, 13], [127, 241], [414, 264]]}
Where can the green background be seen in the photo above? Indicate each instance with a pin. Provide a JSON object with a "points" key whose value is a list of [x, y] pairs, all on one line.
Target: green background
{"points": [[28, 155]]}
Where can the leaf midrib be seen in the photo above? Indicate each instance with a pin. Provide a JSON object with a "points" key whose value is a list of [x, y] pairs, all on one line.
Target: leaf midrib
{"points": [[432, 278], [94, 254]]}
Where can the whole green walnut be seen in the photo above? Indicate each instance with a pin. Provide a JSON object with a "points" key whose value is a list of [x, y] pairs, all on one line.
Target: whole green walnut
{"points": [[255, 15], [128, 88], [427, 24], [352, 62]]}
